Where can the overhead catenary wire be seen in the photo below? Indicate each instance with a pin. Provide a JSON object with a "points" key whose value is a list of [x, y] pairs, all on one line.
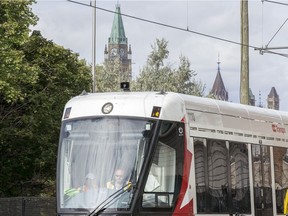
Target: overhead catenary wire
{"points": [[276, 32], [181, 29], [167, 25], [267, 49], [276, 2]]}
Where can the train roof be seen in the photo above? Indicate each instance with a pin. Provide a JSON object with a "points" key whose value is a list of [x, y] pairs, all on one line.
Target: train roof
{"points": [[234, 109], [141, 104]]}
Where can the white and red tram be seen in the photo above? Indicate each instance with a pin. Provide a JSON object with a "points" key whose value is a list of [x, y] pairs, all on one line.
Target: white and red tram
{"points": [[182, 155]]}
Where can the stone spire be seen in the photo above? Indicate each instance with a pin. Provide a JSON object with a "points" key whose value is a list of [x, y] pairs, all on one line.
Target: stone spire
{"points": [[117, 35], [273, 99], [118, 49], [218, 89]]}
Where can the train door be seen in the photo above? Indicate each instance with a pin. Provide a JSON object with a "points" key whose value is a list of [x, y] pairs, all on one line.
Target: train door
{"points": [[263, 202]]}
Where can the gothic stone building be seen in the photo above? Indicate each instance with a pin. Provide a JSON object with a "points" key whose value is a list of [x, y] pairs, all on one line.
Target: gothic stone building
{"points": [[118, 47]]}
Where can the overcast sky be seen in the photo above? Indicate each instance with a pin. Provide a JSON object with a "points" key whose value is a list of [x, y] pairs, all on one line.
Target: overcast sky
{"points": [[70, 25]]}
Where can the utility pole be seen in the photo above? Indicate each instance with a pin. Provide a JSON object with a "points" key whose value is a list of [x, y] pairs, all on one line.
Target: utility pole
{"points": [[93, 45], [244, 76]]}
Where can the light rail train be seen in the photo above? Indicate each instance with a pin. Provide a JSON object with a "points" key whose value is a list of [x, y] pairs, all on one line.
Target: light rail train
{"points": [[181, 155]]}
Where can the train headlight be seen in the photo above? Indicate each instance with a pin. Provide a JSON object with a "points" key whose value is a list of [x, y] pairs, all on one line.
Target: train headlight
{"points": [[107, 108]]}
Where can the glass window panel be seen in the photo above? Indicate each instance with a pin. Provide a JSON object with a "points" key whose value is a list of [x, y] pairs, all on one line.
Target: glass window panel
{"points": [[86, 167], [161, 178], [281, 176], [267, 193], [164, 178], [217, 176], [262, 179], [240, 187], [199, 154]]}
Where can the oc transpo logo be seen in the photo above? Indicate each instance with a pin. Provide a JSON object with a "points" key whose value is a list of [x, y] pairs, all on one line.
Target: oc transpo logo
{"points": [[277, 129]]}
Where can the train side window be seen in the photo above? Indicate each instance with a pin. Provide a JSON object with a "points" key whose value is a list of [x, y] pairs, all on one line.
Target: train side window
{"points": [[221, 176], [211, 173], [159, 188], [217, 153], [239, 175], [262, 179], [200, 174], [281, 175]]}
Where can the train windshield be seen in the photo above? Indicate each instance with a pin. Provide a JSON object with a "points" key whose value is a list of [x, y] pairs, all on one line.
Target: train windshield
{"points": [[100, 160]]}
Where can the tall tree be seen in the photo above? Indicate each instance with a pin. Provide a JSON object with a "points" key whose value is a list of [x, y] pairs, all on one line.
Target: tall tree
{"points": [[185, 81], [158, 75], [15, 73], [29, 129]]}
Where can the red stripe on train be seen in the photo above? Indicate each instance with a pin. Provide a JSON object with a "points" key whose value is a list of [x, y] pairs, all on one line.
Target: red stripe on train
{"points": [[188, 208]]}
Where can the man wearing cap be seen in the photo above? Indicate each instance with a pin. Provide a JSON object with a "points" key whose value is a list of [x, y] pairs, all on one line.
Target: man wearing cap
{"points": [[90, 183]]}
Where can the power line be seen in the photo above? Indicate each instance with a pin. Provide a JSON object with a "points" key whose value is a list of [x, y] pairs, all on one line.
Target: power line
{"points": [[262, 50], [275, 2], [276, 32], [167, 25], [268, 49]]}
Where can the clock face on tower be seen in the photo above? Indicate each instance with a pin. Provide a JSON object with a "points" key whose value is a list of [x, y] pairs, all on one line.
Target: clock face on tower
{"points": [[122, 52], [113, 52]]}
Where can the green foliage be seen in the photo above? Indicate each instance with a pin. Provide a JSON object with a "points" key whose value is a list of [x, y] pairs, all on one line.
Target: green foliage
{"points": [[184, 79], [159, 54], [30, 127], [15, 19], [157, 75], [108, 77], [37, 78]]}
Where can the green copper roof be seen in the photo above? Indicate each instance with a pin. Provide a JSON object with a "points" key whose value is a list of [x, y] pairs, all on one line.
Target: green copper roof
{"points": [[117, 35]]}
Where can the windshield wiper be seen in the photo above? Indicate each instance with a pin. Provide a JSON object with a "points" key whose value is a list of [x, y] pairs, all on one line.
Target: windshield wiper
{"points": [[111, 199]]}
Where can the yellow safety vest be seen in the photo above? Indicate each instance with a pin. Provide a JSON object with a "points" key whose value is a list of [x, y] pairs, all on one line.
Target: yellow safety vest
{"points": [[286, 203], [110, 185]]}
